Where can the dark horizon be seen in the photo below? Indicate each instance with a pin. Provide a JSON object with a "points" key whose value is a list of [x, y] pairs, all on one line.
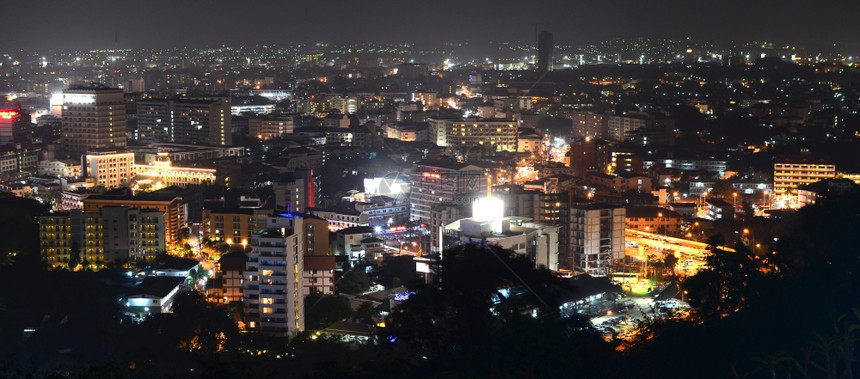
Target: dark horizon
{"points": [[96, 24]]}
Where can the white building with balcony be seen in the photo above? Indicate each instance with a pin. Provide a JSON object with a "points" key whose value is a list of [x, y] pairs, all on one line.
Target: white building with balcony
{"points": [[274, 299]]}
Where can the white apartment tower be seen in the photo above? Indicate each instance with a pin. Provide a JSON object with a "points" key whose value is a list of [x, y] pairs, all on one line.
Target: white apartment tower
{"points": [[274, 302]]}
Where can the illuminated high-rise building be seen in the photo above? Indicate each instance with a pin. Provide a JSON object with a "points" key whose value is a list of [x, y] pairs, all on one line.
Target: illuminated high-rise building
{"points": [[201, 122], [273, 292], [544, 60], [93, 118], [189, 121]]}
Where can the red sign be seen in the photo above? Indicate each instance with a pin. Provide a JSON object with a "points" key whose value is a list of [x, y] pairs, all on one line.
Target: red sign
{"points": [[8, 115], [431, 175]]}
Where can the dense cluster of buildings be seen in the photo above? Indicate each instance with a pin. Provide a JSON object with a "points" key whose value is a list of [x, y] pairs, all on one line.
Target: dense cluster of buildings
{"points": [[557, 165]]}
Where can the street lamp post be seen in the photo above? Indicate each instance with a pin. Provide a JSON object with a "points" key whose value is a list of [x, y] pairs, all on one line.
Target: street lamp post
{"points": [[751, 242]]}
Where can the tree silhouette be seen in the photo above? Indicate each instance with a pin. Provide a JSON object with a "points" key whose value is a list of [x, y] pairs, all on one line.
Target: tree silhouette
{"points": [[489, 312], [670, 261], [729, 281], [323, 310], [355, 281]]}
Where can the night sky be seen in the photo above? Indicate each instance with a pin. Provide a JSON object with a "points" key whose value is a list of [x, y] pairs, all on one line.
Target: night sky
{"points": [[41, 24]]}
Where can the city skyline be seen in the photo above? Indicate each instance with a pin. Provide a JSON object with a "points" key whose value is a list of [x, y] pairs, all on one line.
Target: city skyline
{"points": [[52, 24]]}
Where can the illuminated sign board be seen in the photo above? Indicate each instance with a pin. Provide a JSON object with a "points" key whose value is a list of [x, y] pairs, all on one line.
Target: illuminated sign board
{"points": [[78, 98], [431, 175], [488, 209], [8, 115]]}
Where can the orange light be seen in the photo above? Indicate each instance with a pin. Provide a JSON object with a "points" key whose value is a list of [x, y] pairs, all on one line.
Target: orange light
{"points": [[8, 115]]}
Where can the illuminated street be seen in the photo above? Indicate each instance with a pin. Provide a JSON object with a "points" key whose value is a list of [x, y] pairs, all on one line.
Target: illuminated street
{"points": [[691, 254]]}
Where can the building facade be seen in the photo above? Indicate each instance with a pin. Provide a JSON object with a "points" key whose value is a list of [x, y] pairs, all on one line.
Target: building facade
{"points": [[318, 274], [109, 168], [596, 237], [788, 173], [175, 210], [233, 226], [14, 126], [112, 234], [188, 121], [491, 134], [274, 300], [438, 182], [93, 118]]}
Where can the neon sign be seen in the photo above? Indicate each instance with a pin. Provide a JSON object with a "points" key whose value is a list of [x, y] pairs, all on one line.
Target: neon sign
{"points": [[8, 115], [431, 175], [404, 295]]}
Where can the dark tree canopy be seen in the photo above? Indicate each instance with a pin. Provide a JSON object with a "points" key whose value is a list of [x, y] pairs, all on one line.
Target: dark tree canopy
{"points": [[355, 281], [323, 310]]}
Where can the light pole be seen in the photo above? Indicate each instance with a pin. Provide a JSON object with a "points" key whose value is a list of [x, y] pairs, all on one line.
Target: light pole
{"points": [[751, 242]]}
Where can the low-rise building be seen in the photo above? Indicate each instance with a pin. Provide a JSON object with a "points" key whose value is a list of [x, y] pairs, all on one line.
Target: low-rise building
{"points": [[341, 219], [230, 270], [233, 226], [318, 274], [153, 295], [62, 168], [653, 220], [349, 241], [809, 194]]}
